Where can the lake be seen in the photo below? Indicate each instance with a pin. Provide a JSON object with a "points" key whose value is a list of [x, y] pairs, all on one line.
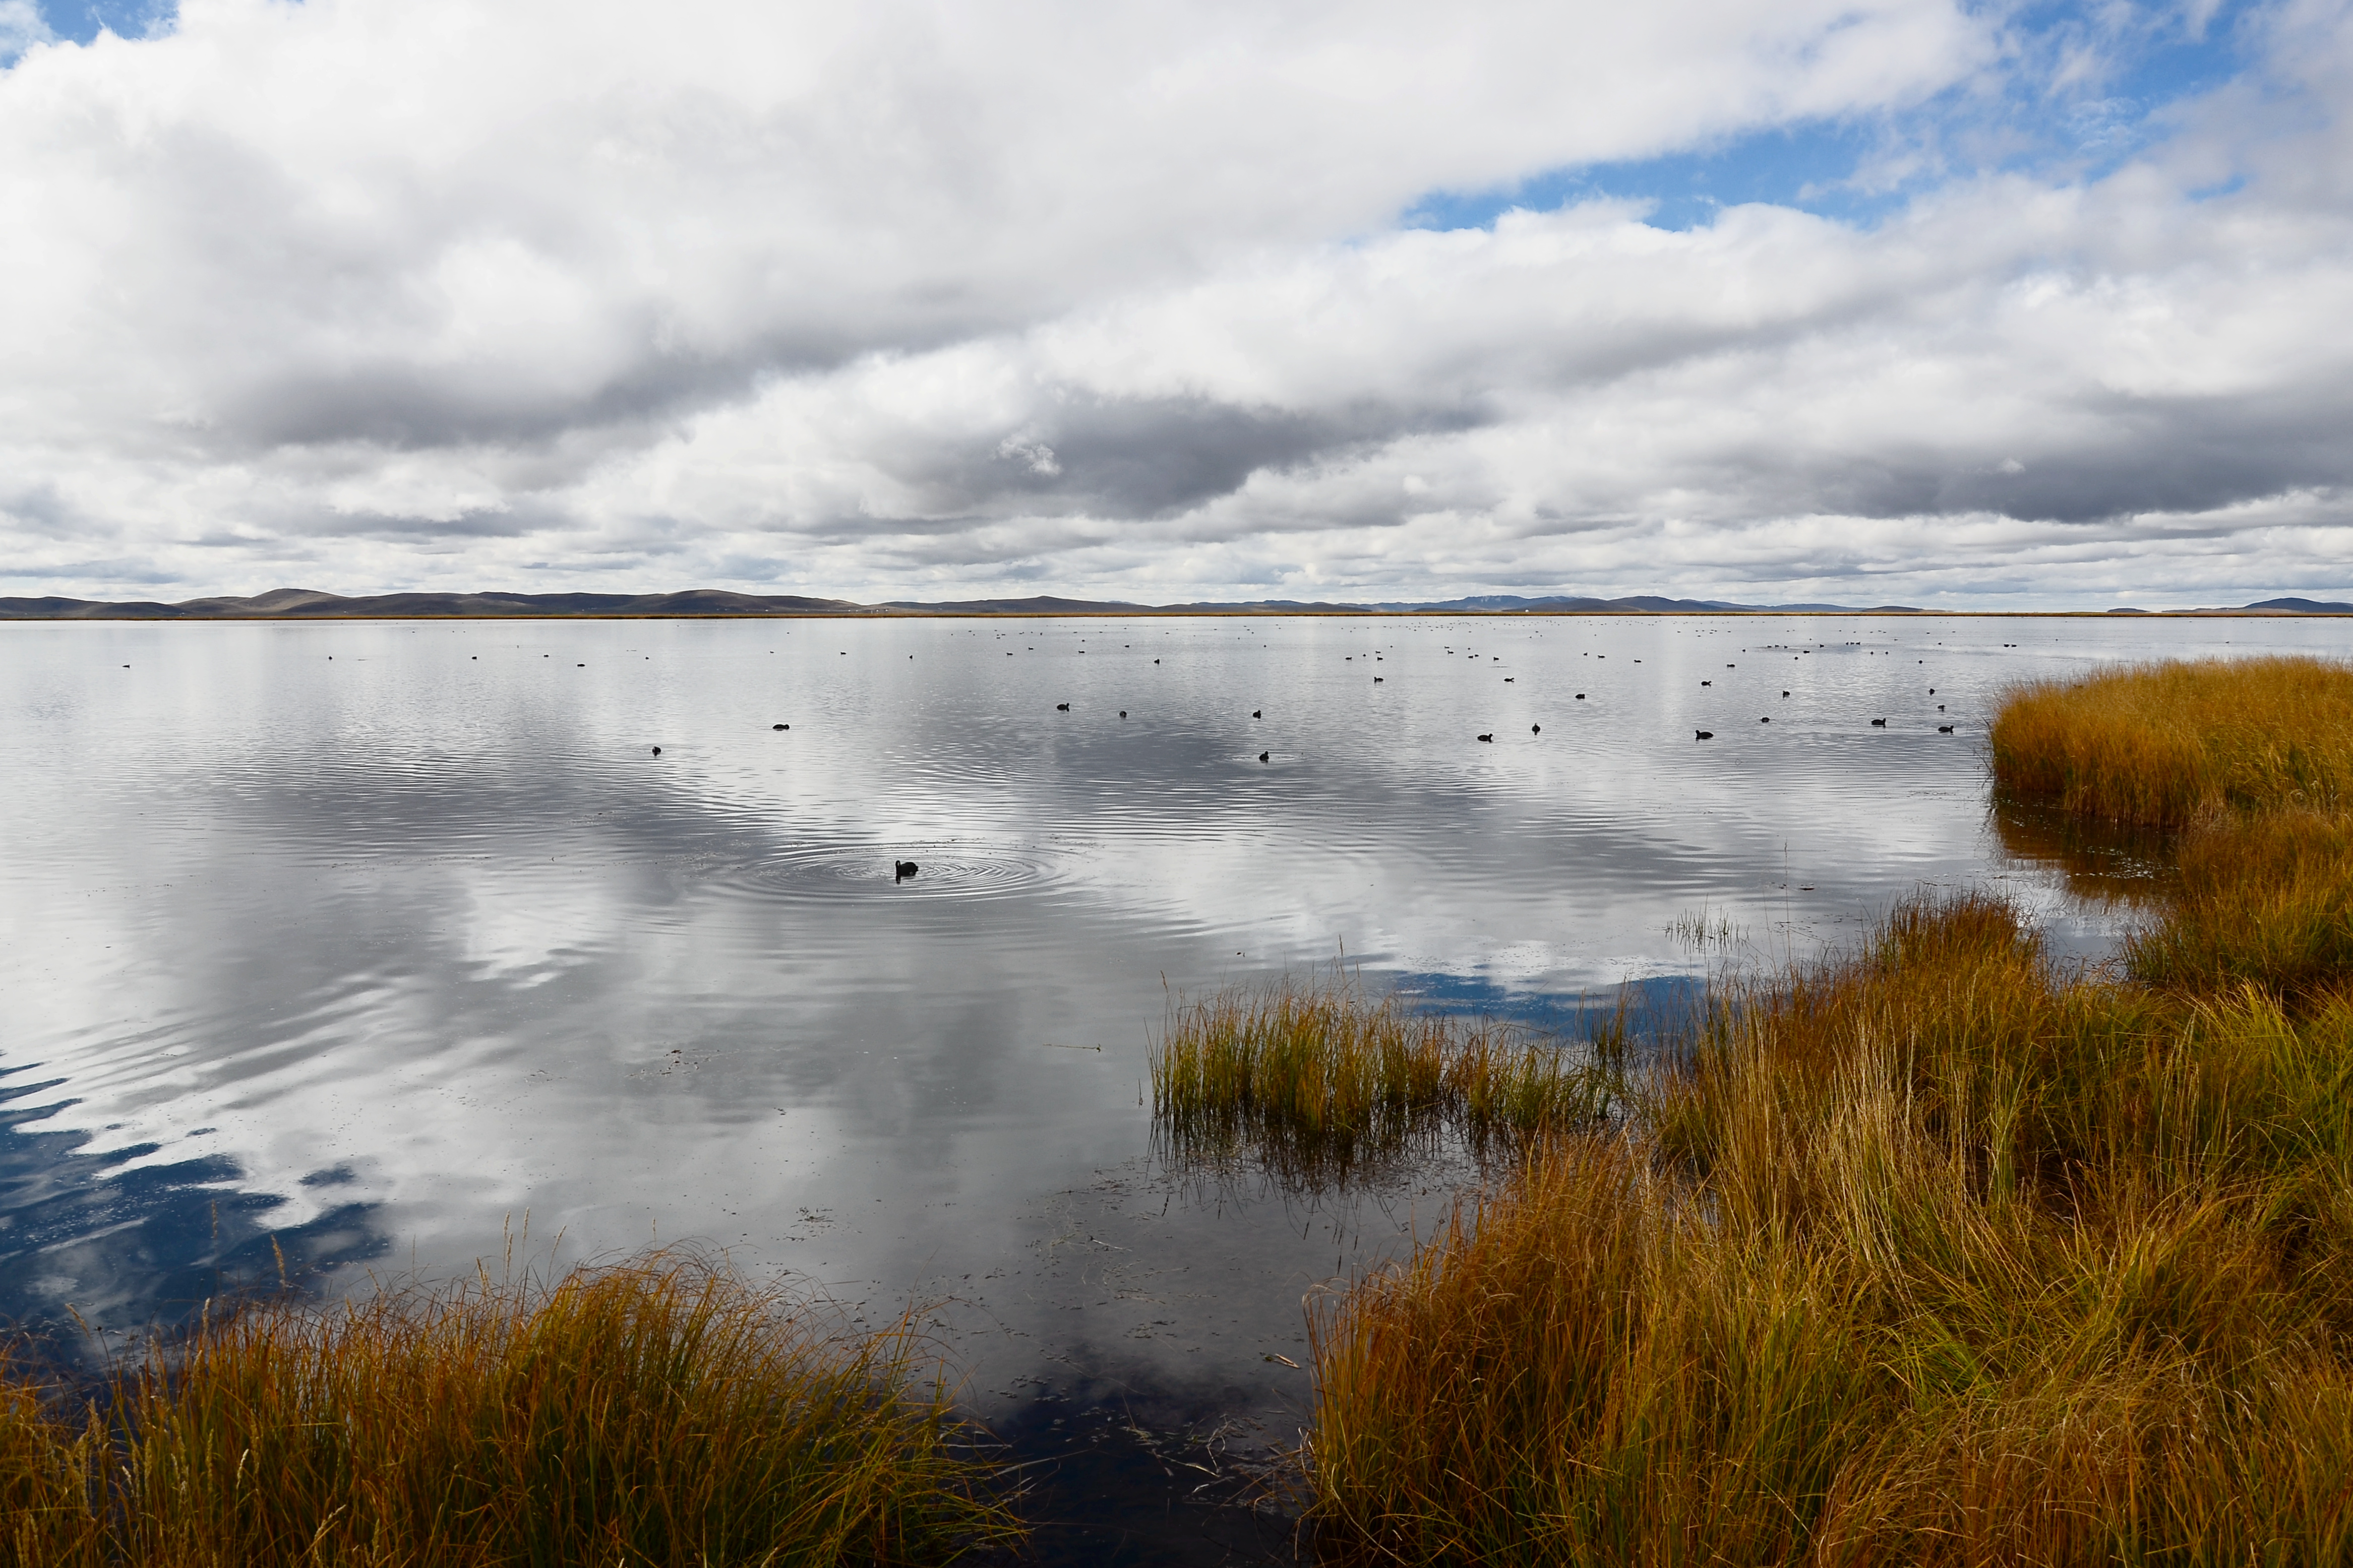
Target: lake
{"points": [[385, 947]]}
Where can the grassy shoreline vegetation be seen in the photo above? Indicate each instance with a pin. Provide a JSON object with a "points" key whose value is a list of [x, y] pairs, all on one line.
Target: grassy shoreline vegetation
{"points": [[1939, 1252], [664, 1411], [1320, 1080]]}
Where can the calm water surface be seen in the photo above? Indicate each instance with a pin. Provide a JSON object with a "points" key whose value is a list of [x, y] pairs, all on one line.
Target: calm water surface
{"points": [[388, 939]]}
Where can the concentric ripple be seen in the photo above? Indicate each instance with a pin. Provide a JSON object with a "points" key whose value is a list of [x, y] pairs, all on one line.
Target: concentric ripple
{"points": [[958, 868]]}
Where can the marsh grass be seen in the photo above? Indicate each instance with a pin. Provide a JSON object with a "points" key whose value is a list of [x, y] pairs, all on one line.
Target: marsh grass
{"points": [[1934, 1255], [1323, 1080], [664, 1411], [2266, 899], [2167, 745], [1938, 1251], [51, 1465], [1704, 929]]}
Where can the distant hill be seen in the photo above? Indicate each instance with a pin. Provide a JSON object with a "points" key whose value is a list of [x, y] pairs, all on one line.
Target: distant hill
{"points": [[1642, 603], [1043, 604], [2303, 607], [308, 604]]}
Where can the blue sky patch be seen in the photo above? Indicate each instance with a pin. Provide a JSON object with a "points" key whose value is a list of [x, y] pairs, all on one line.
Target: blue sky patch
{"points": [[2080, 90], [80, 21]]}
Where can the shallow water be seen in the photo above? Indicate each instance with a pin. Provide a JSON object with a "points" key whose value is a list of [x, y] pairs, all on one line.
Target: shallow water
{"points": [[384, 942]]}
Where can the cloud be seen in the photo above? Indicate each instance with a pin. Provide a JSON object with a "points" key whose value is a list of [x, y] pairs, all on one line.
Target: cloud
{"points": [[904, 298], [21, 27]]}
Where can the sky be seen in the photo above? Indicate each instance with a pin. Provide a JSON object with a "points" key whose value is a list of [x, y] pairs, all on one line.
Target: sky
{"points": [[1865, 301]]}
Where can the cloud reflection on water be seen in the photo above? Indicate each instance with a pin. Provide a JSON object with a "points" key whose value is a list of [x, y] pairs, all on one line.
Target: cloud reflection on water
{"points": [[430, 915]]}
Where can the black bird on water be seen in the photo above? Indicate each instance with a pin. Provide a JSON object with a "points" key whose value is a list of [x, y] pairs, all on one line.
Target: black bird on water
{"points": [[1258, 713], [1764, 720], [1785, 694], [1702, 735], [1263, 756], [1944, 728], [1580, 697], [656, 750], [1062, 708], [1535, 729], [1489, 738], [902, 870], [780, 726], [1879, 723]]}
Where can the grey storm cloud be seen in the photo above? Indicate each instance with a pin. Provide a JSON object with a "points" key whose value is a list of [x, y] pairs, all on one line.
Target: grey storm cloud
{"points": [[886, 301], [1161, 457]]}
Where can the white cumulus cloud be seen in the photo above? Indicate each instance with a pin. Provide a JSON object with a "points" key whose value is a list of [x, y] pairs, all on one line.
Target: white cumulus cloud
{"points": [[912, 298]]}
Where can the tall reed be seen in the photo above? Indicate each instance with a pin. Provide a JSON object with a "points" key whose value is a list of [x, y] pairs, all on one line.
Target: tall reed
{"points": [[1321, 1079], [1932, 1255], [2166, 744], [663, 1412], [1936, 1252], [2265, 900], [52, 1474]]}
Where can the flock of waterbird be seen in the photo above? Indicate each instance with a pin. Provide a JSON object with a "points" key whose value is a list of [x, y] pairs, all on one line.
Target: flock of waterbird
{"points": [[903, 870], [1488, 737]]}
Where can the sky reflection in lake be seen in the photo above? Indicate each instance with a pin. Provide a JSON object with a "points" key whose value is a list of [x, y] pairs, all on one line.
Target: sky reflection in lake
{"points": [[383, 938]]}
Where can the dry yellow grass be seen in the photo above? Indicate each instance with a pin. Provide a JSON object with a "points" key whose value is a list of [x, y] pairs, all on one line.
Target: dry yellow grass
{"points": [[1931, 1257], [2167, 745], [49, 1466], [1320, 1079], [2265, 900], [663, 1411], [1935, 1253]]}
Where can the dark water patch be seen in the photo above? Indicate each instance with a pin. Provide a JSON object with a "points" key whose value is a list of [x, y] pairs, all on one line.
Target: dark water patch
{"points": [[1138, 1476], [125, 1248], [1646, 1008]]}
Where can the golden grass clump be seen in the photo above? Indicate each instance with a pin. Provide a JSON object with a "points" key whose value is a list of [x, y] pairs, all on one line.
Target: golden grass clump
{"points": [[2166, 744], [1933, 1257], [49, 1469], [660, 1412], [2265, 900], [1935, 1253], [1320, 1079]]}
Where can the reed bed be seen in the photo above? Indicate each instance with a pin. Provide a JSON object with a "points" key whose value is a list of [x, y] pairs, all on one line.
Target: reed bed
{"points": [[2165, 745], [660, 1412], [1935, 1253], [1322, 1080], [2265, 900], [1934, 1257]]}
